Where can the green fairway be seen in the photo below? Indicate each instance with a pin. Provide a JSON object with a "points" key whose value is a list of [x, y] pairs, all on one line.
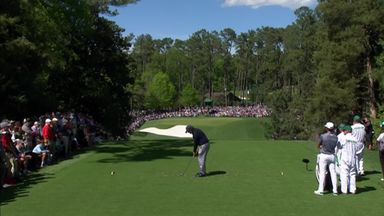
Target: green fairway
{"points": [[249, 175]]}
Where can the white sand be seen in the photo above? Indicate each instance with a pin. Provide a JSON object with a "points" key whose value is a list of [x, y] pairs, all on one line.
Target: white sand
{"points": [[175, 131]]}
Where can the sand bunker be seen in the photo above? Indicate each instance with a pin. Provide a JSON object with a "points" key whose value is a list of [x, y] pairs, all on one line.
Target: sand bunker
{"points": [[175, 131]]}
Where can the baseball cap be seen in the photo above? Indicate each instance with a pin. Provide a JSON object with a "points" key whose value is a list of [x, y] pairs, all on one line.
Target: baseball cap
{"points": [[329, 125], [47, 120], [348, 128], [356, 118], [4, 124], [341, 126], [188, 128]]}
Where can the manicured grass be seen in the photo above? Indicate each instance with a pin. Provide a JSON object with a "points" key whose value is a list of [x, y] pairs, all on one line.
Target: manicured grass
{"points": [[249, 176]]}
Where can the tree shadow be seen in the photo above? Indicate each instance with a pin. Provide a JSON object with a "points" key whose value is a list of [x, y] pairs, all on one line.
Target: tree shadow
{"points": [[8, 195], [144, 150]]}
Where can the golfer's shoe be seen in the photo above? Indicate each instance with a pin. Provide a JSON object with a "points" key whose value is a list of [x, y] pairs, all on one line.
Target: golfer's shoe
{"points": [[335, 194], [200, 175], [318, 193]]}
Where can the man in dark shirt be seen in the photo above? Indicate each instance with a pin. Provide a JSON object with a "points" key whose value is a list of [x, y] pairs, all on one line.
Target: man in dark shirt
{"points": [[326, 158], [200, 147], [369, 132]]}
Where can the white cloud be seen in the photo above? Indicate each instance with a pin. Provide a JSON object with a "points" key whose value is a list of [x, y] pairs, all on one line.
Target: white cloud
{"points": [[293, 4]]}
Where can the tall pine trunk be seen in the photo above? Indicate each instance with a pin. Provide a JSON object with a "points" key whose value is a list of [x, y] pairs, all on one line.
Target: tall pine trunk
{"points": [[372, 98]]}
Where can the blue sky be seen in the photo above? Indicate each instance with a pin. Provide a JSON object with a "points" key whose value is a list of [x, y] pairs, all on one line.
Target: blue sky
{"points": [[181, 18]]}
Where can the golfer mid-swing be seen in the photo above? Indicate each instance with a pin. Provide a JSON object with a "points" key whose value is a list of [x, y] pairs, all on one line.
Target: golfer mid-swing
{"points": [[200, 147]]}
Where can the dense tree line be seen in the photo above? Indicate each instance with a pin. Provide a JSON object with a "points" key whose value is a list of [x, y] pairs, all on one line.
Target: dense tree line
{"points": [[64, 54], [326, 66]]}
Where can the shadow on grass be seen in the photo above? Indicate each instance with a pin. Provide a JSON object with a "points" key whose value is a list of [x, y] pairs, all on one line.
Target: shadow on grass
{"points": [[365, 189], [213, 173], [371, 172], [144, 150], [367, 173], [9, 194]]}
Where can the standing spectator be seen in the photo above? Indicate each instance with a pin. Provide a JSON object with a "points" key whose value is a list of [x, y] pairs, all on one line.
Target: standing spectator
{"points": [[16, 131], [3, 165], [326, 158], [64, 136], [380, 143], [27, 134], [200, 148], [369, 132], [56, 127], [358, 131], [48, 136], [10, 154], [36, 132]]}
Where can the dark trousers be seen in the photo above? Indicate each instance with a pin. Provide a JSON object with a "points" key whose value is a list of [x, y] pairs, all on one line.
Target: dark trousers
{"points": [[381, 155]]}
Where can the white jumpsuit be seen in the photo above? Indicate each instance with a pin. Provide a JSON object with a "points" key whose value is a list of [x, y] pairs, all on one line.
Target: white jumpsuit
{"points": [[347, 150]]}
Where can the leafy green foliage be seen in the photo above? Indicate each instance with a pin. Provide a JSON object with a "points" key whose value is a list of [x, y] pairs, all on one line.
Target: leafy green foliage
{"points": [[189, 97], [161, 92]]}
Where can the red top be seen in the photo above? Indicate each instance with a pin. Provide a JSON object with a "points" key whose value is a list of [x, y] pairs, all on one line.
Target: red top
{"points": [[48, 132], [6, 140]]}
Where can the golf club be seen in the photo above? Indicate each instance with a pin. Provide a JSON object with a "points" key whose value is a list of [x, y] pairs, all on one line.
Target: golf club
{"points": [[186, 168]]}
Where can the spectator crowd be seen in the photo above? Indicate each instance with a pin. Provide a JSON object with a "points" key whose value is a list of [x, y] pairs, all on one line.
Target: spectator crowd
{"points": [[32, 144], [140, 117]]}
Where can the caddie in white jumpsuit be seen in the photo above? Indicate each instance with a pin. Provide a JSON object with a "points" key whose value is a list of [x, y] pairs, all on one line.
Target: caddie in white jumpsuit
{"points": [[348, 148], [326, 158], [358, 131], [340, 137]]}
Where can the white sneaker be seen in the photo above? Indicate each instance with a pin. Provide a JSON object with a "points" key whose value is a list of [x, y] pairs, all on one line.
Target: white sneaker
{"points": [[8, 185], [318, 193]]}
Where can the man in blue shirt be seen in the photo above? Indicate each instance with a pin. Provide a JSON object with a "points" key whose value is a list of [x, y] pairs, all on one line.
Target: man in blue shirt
{"points": [[200, 147]]}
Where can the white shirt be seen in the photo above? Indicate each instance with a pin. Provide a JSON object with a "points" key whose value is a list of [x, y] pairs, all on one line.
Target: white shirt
{"points": [[380, 141], [358, 131]]}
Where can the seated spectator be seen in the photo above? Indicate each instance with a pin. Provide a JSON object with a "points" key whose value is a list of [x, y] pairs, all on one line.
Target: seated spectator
{"points": [[41, 151], [24, 156]]}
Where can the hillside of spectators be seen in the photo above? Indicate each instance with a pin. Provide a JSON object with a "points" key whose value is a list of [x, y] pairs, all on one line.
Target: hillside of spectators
{"points": [[140, 117]]}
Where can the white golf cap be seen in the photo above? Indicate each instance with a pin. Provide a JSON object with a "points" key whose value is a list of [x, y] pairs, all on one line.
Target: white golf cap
{"points": [[329, 125], [47, 120]]}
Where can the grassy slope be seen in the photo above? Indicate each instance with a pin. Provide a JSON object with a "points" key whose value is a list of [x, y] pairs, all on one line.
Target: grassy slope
{"points": [[248, 178]]}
